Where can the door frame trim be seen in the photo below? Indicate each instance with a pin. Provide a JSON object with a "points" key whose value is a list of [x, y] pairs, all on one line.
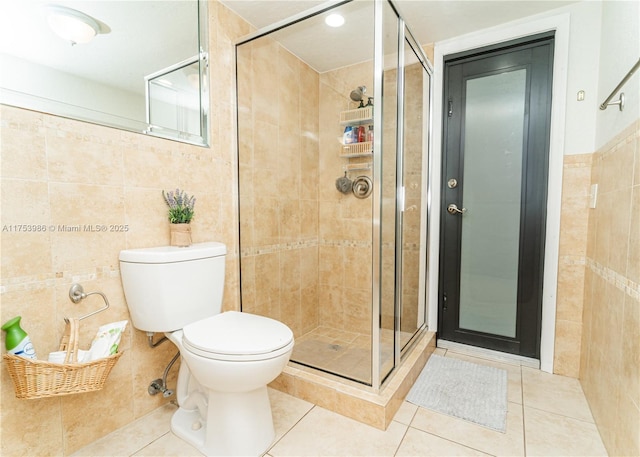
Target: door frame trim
{"points": [[507, 32], [482, 353]]}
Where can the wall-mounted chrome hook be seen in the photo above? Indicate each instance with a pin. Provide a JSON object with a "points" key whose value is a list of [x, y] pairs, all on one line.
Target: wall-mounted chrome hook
{"points": [[76, 295]]}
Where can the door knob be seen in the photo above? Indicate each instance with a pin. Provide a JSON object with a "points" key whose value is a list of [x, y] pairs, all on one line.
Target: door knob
{"points": [[453, 209]]}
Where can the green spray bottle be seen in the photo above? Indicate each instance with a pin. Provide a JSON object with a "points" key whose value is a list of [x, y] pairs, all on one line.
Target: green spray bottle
{"points": [[17, 341]]}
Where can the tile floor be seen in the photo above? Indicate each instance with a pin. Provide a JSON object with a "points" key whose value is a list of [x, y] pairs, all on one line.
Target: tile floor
{"points": [[548, 416]]}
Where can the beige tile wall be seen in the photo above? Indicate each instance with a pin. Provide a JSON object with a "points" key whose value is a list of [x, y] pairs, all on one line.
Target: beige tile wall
{"points": [[287, 273], [345, 229], [288, 180], [336, 230], [610, 357], [62, 172], [278, 157], [598, 306], [574, 223]]}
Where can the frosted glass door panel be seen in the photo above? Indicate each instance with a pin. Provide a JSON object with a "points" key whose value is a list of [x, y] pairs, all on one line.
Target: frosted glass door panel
{"points": [[493, 149]]}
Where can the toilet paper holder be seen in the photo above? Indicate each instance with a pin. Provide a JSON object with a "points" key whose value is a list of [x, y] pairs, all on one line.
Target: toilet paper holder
{"points": [[77, 294]]}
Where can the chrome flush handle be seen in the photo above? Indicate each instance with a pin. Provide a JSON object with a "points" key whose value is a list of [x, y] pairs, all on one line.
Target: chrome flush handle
{"points": [[453, 209]]}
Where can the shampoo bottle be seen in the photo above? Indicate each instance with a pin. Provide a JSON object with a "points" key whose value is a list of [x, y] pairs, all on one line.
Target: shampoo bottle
{"points": [[347, 137], [370, 134], [17, 341]]}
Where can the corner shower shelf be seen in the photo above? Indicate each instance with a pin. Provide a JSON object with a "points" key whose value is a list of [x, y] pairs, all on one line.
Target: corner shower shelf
{"points": [[357, 116], [356, 150]]}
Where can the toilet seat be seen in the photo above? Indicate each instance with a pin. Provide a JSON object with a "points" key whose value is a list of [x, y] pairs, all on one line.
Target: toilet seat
{"points": [[236, 336]]}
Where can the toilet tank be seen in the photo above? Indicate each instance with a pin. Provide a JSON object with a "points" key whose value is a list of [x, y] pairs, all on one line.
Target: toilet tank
{"points": [[169, 287]]}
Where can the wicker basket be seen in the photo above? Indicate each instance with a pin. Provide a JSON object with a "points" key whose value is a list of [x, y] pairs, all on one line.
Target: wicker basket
{"points": [[40, 379]]}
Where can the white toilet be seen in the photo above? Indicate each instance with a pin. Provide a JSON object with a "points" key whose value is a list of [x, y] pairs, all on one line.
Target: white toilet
{"points": [[228, 358]]}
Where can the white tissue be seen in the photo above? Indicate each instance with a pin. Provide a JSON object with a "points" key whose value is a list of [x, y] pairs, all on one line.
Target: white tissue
{"points": [[58, 356], [106, 341]]}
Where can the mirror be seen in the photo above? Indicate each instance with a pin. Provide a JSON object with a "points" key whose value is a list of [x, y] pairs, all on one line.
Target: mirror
{"points": [[173, 99], [145, 70]]}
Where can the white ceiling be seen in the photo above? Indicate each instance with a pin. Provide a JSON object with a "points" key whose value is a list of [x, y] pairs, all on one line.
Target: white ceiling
{"points": [[429, 21]]}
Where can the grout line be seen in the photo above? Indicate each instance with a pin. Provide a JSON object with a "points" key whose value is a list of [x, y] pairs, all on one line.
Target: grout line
{"points": [[290, 429], [415, 413], [524, 418], [563, 415], [452, 441], [404, 435], [150, 443]]}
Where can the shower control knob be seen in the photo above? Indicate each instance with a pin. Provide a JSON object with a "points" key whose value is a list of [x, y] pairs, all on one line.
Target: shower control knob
{"points": [[362, 187]]}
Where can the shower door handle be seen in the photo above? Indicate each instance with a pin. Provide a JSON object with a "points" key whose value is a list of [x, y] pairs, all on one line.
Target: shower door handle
{"points": [[453, 209]]}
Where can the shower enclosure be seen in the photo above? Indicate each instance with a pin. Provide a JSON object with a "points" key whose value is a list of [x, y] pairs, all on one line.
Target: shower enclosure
{"points": [[333, 185]]}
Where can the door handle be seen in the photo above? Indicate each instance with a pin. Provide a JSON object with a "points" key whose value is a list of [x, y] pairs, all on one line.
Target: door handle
{"points": [[453, 209]]}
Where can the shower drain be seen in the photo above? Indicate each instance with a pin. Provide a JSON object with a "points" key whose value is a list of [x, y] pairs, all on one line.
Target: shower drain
{"points": [[335, 347]]}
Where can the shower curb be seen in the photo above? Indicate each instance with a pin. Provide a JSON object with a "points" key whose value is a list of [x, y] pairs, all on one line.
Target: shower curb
{"points": [[353, 400]]}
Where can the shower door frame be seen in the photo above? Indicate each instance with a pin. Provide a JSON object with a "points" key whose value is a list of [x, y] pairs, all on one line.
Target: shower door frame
{"points": [[425, 209], [404, 36], [376, 195]]}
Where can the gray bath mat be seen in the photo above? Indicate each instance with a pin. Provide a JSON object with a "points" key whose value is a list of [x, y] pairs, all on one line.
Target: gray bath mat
{"points": [[472, 392]]}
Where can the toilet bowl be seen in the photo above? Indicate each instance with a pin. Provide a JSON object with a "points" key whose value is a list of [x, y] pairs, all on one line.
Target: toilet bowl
{"points": [[232, 356], [227, 358]]}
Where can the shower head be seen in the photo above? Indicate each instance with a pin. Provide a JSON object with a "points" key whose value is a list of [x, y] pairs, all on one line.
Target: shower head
{"points": [[357, 95]]}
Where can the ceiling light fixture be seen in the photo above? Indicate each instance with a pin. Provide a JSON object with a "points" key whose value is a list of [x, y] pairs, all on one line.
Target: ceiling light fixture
{"points": [[334, 20], [71, 25], [164, 82]]}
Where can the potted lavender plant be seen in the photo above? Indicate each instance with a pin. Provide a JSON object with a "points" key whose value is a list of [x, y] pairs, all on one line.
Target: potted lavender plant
{"points": [[180, 215]]}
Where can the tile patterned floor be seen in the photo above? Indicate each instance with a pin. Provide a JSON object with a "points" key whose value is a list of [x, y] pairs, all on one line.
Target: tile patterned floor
{"points": [[548, 416]]}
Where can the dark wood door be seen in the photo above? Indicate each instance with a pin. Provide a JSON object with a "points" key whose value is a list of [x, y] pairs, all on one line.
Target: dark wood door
{"points": [[497, 106]]}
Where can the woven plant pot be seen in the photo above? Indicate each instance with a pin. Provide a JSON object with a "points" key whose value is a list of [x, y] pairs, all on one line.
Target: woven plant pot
{"points": [[180, 234]]}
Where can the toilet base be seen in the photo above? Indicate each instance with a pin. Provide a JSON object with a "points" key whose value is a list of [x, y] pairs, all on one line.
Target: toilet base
{"points": [[236, 424]]}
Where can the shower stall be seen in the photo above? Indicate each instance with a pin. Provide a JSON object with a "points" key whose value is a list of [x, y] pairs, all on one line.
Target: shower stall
{"points": [[333, 163]]}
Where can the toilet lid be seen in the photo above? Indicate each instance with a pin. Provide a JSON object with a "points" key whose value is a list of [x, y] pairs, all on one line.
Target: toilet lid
{"points": [[235, 333]]}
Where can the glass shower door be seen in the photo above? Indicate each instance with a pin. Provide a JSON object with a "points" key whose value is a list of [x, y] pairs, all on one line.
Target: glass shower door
{"points": [[404, 165], [413, 179]]}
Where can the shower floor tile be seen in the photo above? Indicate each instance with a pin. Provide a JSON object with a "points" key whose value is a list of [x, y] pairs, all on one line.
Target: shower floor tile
{"points": [[344, 353]]}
